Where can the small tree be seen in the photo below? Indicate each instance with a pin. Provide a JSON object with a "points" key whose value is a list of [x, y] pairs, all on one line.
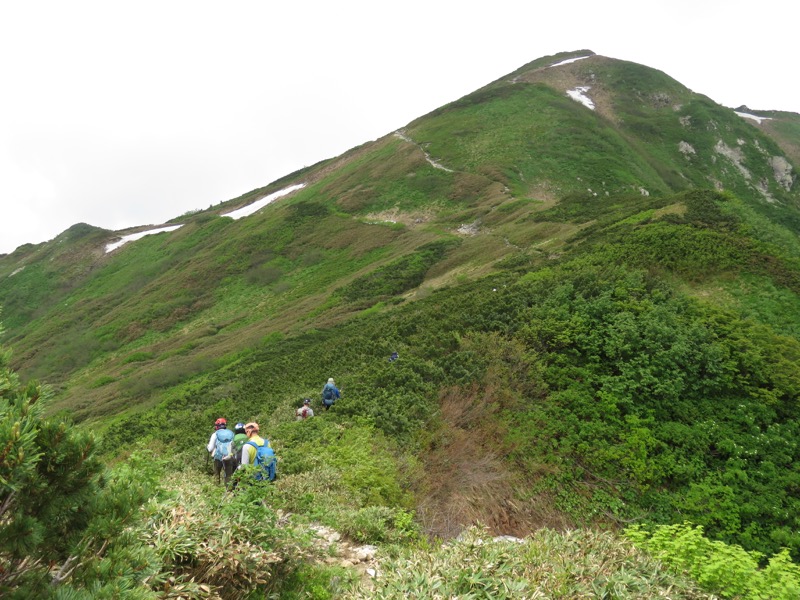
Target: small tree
{"points": [[61, 512]]}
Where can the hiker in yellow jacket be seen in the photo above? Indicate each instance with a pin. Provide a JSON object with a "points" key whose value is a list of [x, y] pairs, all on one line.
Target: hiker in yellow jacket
{"points": [[257, 452], [248, 450]]}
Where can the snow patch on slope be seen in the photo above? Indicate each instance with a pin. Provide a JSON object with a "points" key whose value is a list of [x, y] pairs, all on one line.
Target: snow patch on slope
{"points": [[755, 118], [568, 61], [259, 204], [135, 236], [579, 95]]}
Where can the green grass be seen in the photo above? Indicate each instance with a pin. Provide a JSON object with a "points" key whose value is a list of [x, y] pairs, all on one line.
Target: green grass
{"points": [[572, 564], [494, 129]]}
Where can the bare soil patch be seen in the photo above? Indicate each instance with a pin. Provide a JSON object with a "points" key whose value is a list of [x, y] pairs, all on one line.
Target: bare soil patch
{"points": [[467, 481]]}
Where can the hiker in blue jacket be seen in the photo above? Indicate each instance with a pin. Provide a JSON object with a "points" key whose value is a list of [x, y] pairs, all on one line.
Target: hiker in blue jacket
{"points": [[330, 393]]}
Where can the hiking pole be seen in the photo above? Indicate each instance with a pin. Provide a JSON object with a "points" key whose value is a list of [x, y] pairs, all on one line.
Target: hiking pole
{"points": [[207, 455]]}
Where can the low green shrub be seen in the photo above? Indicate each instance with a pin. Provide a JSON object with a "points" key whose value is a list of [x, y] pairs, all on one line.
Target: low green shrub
{"points": [[379, 524], [315, 581], [103, 380], [724, 569], [398, 276], [358, 454], [138, 357]]}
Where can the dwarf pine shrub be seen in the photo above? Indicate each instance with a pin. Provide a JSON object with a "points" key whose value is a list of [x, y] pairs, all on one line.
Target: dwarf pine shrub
{"points": [[64, 517]]}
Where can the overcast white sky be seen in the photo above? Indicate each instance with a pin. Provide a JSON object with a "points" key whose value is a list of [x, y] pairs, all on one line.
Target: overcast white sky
{"points": [[119, 113]]}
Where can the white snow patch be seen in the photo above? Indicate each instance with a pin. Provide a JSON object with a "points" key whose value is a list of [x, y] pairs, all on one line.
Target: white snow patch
{"points": [[135, 236], [16, 271], [578, 94], [755, 118], [569, 60], [248, 210]]}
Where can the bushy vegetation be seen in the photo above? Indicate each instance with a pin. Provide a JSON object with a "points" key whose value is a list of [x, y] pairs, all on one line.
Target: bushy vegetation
{"points": [[607, 389], [65, 520], [398, 276], [720, 568], [645, 401]]}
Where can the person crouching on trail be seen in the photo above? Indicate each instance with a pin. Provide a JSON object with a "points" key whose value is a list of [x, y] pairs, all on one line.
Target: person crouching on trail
{"points": [[257, 451], [305, 411], [330, 393], [220, 446]]}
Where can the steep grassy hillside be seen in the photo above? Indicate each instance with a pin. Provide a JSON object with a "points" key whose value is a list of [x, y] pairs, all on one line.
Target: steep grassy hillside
{"points": [[597, 313], [476, 173]]}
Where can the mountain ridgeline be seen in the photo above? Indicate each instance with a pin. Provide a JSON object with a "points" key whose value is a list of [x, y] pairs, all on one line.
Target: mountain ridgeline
{"points": [[591, 275]]}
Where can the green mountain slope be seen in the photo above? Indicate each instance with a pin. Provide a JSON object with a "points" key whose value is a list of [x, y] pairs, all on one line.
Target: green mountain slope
{"points": [[597, 312]]}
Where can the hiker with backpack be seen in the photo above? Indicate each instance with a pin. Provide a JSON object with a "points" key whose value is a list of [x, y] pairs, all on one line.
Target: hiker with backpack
{"points": [[239, 439], [257, 451], [220, 446], [305, 411], [330, 393]]}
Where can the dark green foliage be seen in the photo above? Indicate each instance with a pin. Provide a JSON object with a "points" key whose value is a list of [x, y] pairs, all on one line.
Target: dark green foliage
{"points": [[398, 276], [138, 357], [301, 211], [63, 517], [658, 395], [582, 207]]}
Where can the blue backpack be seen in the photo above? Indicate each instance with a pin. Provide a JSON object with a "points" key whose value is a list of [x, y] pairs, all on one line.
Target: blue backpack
{"points": [[223, 446], [265, 461], [328, 395]]}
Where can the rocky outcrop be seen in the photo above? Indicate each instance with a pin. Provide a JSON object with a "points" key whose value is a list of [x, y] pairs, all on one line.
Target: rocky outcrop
{"points": [[735, 155], [686, 149], [783, 172]]}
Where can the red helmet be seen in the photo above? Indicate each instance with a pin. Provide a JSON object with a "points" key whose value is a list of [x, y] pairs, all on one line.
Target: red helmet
{"points": [[220, 423]]}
